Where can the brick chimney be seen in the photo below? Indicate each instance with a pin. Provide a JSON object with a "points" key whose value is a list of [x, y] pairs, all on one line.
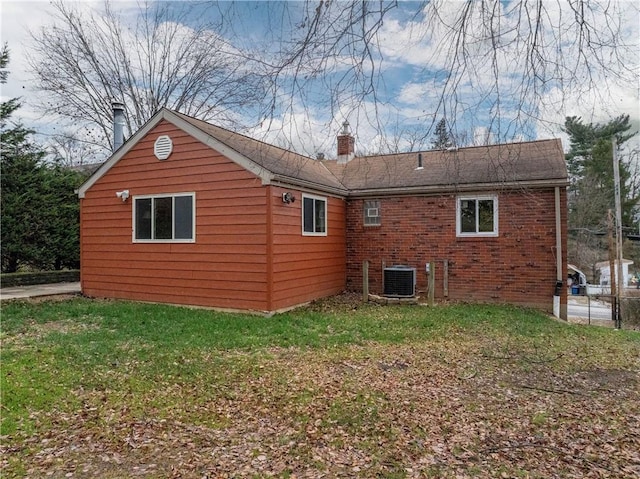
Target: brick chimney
{"points": [[346, 145]]}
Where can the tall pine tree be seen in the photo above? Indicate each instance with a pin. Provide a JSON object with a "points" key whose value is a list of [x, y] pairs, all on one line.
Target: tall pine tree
{"points": [[591, 194], [22, 174], [590, 164], [39, 209], [442, 138]]}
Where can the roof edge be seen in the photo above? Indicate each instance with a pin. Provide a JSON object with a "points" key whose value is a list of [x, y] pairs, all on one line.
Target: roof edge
{"points": [[187, 127], [281, 180], [453, 188], [120, 152], [469, 147], [261, 172]]}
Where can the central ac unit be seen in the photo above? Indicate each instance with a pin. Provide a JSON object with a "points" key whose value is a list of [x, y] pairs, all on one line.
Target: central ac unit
{"points": [[400, 281]]}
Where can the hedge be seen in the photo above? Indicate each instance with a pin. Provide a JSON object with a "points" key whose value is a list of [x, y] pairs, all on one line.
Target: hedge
{"points": [[8, 280]]}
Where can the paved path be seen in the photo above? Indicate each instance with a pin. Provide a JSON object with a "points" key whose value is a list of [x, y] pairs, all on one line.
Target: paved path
{"points": [[31, 291]]}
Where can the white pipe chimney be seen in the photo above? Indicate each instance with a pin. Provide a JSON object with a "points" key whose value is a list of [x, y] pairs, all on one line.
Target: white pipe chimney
{"points": [[118, 124]]}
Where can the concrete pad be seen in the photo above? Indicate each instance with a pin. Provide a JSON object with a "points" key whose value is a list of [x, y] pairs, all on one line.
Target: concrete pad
{"points": [[31, 291]]}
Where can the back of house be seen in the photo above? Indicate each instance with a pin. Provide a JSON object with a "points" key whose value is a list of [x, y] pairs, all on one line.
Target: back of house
{"points": [[186, 212]]}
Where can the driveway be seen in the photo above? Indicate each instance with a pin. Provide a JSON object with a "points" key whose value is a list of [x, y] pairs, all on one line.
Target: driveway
{"points": [[581, 308]]}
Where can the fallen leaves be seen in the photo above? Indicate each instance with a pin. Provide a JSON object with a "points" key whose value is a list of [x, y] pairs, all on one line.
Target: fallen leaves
{"points": [[459, 407]]}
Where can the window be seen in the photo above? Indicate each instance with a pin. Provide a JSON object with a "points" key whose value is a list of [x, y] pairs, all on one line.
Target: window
{"points": [[314, 216], [477, 216], [371, 210], [164, 218]]}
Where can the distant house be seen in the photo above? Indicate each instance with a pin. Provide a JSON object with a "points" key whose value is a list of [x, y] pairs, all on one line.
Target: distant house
{"points": [[604, 269], [189, 213]]}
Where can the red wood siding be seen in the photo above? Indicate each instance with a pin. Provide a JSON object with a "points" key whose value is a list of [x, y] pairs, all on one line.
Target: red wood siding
{"points": [[306, 267], [518, 266], [227, 265]]}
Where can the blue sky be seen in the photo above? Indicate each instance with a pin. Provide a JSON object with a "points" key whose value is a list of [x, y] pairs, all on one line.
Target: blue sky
{"points": [[411, 69]]}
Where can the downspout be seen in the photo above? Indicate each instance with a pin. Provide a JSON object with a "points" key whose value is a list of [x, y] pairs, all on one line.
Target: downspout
{"points": [[558, 310], [269, 299], [82, 248]]}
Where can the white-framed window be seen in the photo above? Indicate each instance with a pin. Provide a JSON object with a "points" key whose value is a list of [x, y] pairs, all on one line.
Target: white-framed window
{"points": [[371, 212], [477, 216], [314, 215], [164, 218]]}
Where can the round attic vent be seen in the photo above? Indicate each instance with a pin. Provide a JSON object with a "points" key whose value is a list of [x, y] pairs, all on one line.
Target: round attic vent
{"points": [[163, 147]]}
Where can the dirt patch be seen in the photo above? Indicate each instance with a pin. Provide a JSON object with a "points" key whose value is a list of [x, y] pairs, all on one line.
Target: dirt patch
{"points": [[340, 302], [56, 298], [37, 331], [610, 377]]}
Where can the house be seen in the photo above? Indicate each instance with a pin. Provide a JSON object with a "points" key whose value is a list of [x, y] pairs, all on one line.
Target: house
{"points": [[186, 212], [604, 269]]}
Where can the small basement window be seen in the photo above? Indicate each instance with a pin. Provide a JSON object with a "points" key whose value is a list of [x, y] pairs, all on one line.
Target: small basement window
{"points": [[164, 218], [477, 216], [314, 216], [371, 211]]}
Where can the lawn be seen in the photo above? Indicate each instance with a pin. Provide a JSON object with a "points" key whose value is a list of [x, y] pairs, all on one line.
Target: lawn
{"points": [[113, 389]]}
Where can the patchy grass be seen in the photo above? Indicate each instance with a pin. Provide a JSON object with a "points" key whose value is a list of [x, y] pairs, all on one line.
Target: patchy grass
{"points": [[116, 389]]}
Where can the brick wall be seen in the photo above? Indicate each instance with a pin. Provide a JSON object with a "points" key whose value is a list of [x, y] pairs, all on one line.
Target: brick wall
{"points": [[518, 266]]}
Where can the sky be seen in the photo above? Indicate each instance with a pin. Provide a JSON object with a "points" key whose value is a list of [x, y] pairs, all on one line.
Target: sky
{"points": [[413, 68]]}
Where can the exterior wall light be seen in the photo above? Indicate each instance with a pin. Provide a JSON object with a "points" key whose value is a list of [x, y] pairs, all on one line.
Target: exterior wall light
{"points": [[123, 195], [288, 198]]}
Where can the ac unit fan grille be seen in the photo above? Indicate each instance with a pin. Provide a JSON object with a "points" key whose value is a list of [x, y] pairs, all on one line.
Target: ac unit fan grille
{"points": [[399, 281]]}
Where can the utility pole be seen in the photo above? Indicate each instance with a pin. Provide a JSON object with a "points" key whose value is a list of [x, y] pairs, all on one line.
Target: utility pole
{"points": [[616, 181], [612, 269]]}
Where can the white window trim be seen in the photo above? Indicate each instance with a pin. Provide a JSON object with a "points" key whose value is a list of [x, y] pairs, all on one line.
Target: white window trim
{"points": [[492, 234], [377, 216], [326, 215], [164, 195]]}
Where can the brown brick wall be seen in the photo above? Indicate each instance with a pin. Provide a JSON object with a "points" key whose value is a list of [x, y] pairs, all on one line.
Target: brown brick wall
{"points": [[518, 266]]}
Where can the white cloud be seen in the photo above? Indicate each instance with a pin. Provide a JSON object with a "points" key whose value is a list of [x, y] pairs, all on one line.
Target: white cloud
{"points": [[495, 78], [17, 19], [413, 50]]}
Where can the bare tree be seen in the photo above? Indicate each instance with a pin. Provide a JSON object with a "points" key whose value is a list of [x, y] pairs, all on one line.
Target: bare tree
{"points": [[66, 149], [498, 64], [159, 57], [479, 63]]}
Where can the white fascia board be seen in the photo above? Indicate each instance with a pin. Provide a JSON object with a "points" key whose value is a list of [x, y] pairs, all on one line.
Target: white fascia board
{"points": [[187, 127], [123, 150], [241, 160], [456, 188], [287, 182]]}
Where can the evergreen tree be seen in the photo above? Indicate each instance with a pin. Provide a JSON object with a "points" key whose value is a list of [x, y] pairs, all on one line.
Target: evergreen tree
{"points": [[442, 138], [39, 209], [61, 217], [590, 164], [21, 174], [585, 137]]}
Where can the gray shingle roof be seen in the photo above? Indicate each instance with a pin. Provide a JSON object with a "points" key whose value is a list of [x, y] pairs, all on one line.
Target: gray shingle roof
{"points": [[277, 160], [534, 163], [528, 162]]}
